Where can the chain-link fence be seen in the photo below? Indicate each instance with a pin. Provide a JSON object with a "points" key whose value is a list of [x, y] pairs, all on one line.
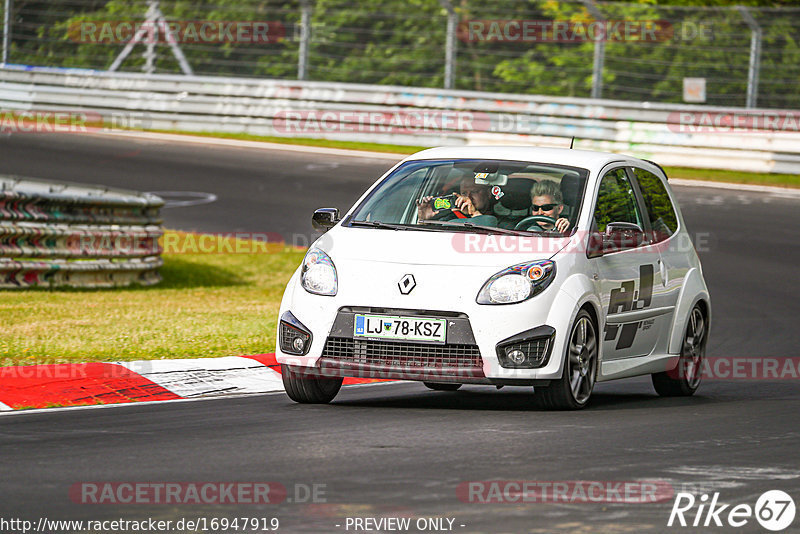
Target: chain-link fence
{"points": [[741, 56]]}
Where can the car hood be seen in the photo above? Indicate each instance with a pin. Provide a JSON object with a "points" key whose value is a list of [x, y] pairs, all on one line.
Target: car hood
{"points": [[413, 247]]}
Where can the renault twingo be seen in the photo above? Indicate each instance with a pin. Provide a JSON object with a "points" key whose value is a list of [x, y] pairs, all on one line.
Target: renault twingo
{"points": [[551, 268]]}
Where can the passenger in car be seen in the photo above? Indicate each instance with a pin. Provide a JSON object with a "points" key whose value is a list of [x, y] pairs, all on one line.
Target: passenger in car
{"points": [[474, 202], [546, 199]]}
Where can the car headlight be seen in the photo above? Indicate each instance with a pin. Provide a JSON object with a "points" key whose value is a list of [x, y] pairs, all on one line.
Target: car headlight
{"points": [[517, 283], [318, 274]]}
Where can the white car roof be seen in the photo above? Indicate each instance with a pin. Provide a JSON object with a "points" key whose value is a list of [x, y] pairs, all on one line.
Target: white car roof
{"points": [[587, 159]]}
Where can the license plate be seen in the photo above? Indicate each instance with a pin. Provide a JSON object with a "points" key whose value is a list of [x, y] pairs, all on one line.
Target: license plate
{"points": [[406, 328]]}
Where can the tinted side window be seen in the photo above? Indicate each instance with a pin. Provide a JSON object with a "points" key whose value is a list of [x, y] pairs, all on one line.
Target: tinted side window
{"points": [[659, 207], [615, 201]]}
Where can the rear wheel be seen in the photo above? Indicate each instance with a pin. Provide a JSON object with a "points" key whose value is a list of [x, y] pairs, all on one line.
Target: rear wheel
{"points": [[684, 380], [573, 390], [306, 387], [439, 386]]}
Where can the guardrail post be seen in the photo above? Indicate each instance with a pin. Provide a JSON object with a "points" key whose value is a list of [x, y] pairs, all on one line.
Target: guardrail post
{"points": [[599, 52], [754, 68], [305, 37], [450, 44], [6, 32]]}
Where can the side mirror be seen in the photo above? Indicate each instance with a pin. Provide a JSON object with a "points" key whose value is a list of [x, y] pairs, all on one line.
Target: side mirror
{"points": [[619, 236], [622, 236], [325, 218]]}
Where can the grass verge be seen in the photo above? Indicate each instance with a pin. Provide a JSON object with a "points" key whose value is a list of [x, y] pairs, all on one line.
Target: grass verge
{"points": [[715, 175], [735, 177], [207, 305]]}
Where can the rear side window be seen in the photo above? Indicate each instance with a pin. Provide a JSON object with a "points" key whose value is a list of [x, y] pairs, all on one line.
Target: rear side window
{"points": [[662, 215], [615, 201]]}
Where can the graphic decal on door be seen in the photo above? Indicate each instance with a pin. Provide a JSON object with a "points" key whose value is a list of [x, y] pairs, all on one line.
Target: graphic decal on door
{"points": [[626, 298]]}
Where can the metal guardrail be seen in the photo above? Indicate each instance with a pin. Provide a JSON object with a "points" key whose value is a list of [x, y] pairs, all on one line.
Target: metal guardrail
{"points": [[61, 235], [363, 113]]}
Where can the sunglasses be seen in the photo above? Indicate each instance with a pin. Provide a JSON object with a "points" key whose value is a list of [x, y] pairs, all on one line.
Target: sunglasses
{"points": [[544, 207]]}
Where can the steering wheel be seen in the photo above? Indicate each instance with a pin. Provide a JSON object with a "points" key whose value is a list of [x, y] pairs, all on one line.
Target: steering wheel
{"points": [[533, 223]]}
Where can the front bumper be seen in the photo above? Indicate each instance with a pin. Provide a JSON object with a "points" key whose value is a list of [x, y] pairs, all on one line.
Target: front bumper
{"points": [[448, 292], [459, 360]]}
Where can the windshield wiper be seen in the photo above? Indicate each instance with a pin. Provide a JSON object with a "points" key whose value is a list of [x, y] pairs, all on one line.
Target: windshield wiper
{"points": [[379, 224], [483, 229], [388, 226]]}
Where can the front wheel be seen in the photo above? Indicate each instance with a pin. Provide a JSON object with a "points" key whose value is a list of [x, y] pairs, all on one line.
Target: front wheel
{"points": [[684, 380], [306, 387], [573, 390], [439, 386]]}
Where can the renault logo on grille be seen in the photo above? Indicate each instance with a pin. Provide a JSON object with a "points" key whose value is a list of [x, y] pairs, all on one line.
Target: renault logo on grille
{"points": [[407, 284]]}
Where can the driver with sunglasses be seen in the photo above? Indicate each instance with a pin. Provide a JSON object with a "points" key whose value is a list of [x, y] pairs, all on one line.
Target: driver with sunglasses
{"points": [[546, 199]]}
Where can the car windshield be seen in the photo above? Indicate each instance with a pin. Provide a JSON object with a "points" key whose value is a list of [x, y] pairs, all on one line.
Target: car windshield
{"points": [[471, 195]]}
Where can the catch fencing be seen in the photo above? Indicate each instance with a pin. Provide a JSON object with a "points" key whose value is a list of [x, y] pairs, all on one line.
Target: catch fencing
{"points": [[60, 235], [671, 134]]}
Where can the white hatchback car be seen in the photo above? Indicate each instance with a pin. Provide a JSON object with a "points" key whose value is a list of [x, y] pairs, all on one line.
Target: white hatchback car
{"points": [[551, 268]]}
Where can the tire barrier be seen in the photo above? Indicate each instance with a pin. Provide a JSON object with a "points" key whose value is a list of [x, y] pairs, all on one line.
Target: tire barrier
{"points": [[69, 235]]}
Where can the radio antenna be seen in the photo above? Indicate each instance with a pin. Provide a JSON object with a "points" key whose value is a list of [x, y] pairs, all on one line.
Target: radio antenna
{"points": [[571, 142]]}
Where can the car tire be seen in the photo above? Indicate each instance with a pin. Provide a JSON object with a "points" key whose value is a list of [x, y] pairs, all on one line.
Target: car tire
{"points": [[306, 387], [439, 386], [684, 379], [574, 389]]}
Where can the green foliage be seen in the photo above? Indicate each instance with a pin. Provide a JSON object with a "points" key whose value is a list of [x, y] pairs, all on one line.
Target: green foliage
{"points": [[402, 42]]}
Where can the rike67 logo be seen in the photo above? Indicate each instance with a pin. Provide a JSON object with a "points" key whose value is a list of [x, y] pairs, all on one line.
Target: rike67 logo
{"points": [[774, 510]]}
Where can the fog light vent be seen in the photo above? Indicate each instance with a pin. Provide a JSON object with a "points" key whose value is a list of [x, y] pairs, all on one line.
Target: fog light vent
{"points": [[528, 350], [292, 335]]}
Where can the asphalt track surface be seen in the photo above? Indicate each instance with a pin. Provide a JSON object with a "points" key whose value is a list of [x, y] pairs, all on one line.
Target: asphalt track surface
{"points": [[399, 450]]}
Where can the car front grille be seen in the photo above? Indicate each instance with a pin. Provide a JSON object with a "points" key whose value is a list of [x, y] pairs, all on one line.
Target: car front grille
{"points": [[401, 357]]}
